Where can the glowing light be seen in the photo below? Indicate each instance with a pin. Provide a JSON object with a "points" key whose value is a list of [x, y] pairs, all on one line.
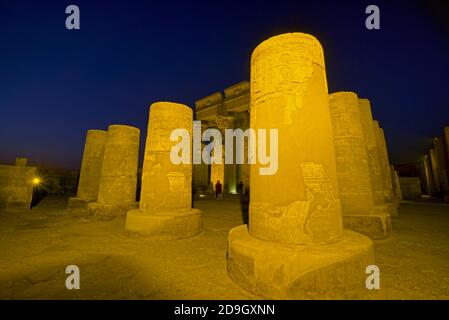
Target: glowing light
{"points": [[36, 181]]}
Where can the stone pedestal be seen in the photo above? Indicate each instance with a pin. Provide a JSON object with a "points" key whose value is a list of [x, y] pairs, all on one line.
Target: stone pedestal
{"points": [[118, 180], [90, 173], [165, 208], [356, 195], [295, 245]]}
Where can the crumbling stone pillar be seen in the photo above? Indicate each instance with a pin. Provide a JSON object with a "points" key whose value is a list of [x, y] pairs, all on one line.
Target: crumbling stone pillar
{"points": [[16, 185], [118, 180], [428, 174], [90, 173], [356, 195], [440, 158], [384, 162], [165, 208], [435, 170], [295, 245], [373, 160], [382, 151], [396, 185]]}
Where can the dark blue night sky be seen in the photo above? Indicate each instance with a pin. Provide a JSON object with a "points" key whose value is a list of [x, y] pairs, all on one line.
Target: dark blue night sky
{"points": [[57, 83]]}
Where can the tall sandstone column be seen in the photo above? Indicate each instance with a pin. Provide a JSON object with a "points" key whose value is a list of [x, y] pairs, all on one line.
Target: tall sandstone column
{"points": [[435, 170], [440, 156], [296, 208], [366, 120], [90, 173], [165, 208], [118, 181], [382, 151], [356, 195], [396, 185], [384, 162], [428, 173]]}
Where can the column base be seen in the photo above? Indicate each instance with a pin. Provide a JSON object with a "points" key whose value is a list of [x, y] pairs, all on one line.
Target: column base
{"points": [[108, 211], [167, 226], [275, 271], [78, 204], [376, 225]]}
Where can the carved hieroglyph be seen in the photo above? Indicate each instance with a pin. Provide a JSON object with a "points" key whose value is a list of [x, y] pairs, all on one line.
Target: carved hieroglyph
{"points": [[375, 172], [299, 204], [384, 162], [89, 181], [166, 187], [119, 170], [356, 195]]}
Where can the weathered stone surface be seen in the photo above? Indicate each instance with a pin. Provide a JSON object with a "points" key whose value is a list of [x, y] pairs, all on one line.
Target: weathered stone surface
{"points": [[295, 246], [90, 173], [435, 170], [356, 195], [375, 173], [430, 184], [289, 94], [411, 188], [396, 185], [276, 271], [440, 158], [354, 183], [376, 225], [384, 162], [117, 190], [165, 208], [16, 185]]}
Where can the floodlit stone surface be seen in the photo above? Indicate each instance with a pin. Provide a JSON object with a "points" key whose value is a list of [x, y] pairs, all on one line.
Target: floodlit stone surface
{"points": [[435, 170], [430, 185], [38, 245], [300, 203], [90, 173], [384, 162], [411, 188], [165, 208], [277, 271], [16, 185], [295, 234], [440, 158], [356, 195], [117, 189], [375, 173], [396, 185]]}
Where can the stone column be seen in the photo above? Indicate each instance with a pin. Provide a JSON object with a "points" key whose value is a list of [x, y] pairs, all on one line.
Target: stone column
{"points": [[16, 185], [428, 173], [446, 146], [295, 244], [356, 195], [165, 208], [384, 162], [392, 205], [435, 170], [396, 185], [200, 177], [21, 162], [89, 179], [440, 158], [118, 179], [375, 174]]}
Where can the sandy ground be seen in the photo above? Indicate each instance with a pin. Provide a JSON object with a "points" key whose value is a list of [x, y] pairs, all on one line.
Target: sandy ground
{"points": [[36, 246]]}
